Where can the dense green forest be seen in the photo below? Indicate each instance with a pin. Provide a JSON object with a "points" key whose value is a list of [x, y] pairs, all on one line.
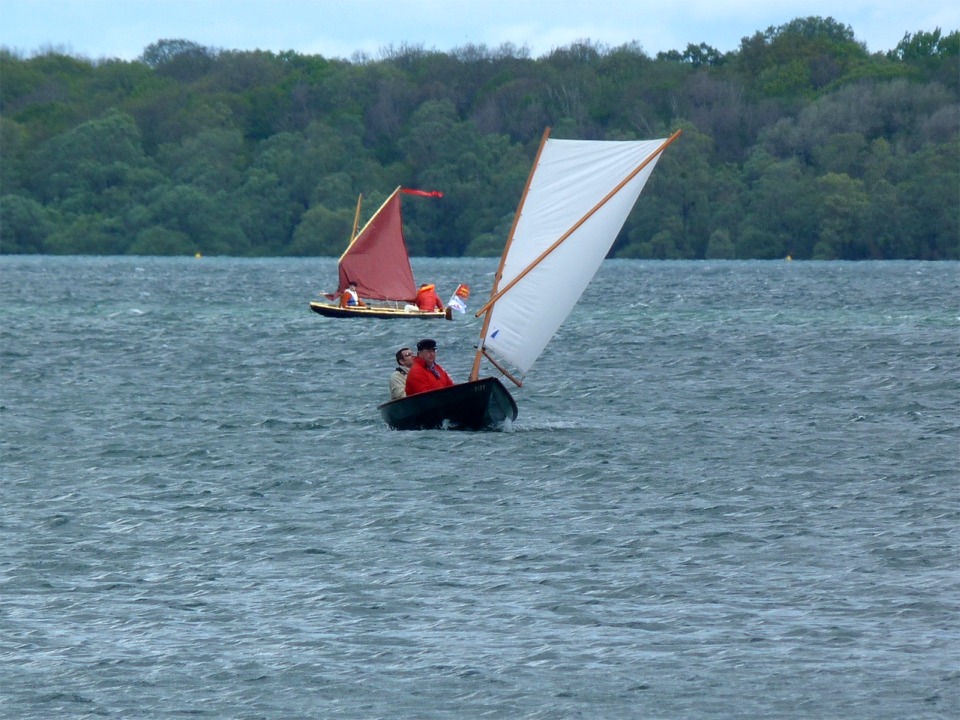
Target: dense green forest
{"points": [[799, 143]]}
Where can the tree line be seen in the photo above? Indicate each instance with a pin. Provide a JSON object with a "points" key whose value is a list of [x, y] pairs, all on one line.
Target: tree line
{"points": [[800, 142]]}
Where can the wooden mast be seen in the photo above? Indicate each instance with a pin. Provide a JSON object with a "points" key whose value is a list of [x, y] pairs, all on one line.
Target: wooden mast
{"points": [[475, 372], [356, 217]]}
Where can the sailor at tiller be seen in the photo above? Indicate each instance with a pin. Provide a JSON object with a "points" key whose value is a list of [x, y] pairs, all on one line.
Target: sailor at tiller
{"points": [[426, 374]]}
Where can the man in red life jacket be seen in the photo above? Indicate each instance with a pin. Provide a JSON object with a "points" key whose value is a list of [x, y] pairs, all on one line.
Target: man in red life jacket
{"points": [[425, 373], [427, 299]]}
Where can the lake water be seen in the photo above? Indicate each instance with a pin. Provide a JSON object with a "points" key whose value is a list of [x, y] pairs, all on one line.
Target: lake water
{"points": [[732, 492]]}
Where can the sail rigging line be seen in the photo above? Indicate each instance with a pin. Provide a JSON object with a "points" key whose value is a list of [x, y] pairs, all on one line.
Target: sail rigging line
{"points": [[475, 372], [499, 293], [506, 373]]}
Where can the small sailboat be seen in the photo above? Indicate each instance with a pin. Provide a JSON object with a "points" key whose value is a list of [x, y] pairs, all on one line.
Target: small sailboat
{"points": [[376, 263], [577, 198]]}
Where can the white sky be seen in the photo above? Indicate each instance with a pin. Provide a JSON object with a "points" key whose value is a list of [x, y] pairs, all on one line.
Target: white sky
{"points": [[98, 29]]}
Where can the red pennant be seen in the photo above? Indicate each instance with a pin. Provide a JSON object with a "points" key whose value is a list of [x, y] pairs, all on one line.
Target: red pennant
{"points": [[422, 193]]}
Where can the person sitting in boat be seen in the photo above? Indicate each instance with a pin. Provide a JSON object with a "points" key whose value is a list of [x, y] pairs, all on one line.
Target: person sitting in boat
{"points": [[426, 374], [398, 378], [349, 297], [427, 299]]}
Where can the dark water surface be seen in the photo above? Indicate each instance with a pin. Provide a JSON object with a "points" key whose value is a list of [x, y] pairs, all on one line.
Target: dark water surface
{"points": [[732, 491]]}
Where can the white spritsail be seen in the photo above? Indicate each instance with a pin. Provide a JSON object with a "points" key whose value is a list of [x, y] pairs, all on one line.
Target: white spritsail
{"points": [[578, 196]]}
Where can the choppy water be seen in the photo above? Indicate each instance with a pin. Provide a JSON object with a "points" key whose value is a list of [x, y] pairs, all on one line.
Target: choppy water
{"points": [[732, 491]]}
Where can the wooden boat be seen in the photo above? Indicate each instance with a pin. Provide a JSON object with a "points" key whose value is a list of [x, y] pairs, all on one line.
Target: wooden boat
{"points": [[377, 262], [576, 200], [383, 312], [474, 405]]}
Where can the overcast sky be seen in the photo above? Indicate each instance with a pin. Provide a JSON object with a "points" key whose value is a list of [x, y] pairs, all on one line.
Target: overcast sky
{"points": [[98, 29]]}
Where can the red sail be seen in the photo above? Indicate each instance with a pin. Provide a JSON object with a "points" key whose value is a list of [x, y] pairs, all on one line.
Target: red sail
{"points": [[377, 260]]}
